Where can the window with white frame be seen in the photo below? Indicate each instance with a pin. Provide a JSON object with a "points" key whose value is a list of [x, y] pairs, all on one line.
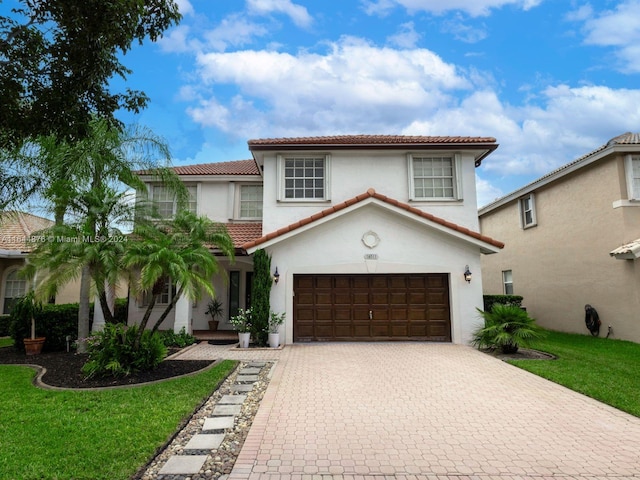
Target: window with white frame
{"points": [[434, 177], [527, 211], [14, 288], [165, 200], [507, 281], [304, 178], [251, 201], [164, 297], [632, 169]]}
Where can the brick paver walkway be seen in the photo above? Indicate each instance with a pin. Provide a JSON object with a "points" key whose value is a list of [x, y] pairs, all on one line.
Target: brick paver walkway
{"points": [[427, 411]]}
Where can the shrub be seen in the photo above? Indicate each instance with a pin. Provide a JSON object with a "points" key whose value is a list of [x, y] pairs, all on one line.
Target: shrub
{"points": [[507, 327], [260, 294], [5, 321], [113, 352], [179, 340], [491, 300], [54, 322]]}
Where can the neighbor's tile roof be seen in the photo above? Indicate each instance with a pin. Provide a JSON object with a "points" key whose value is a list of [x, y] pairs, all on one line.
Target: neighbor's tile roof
{"points": [[17, 227], [242, 233], [371, 193], [368, 140]]}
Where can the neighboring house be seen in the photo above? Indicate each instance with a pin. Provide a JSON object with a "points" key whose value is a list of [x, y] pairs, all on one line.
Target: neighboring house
{"points": [[370, 235], [16, 228], [573, 238]]}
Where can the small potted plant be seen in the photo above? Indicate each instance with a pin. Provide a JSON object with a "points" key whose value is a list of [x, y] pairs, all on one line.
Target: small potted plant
{"points": [[25, 310], [275, 320], [214, 308], [242, 323]]}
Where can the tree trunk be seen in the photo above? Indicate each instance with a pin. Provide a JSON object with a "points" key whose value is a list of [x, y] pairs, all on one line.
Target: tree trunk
{"points": [[84, 309], [170, 307]]}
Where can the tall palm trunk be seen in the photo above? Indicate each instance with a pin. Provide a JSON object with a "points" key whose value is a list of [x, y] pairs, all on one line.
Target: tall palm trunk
{"points": [[84, 309]]}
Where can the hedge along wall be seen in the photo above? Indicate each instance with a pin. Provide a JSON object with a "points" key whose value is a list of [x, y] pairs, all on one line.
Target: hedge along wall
{"points": [[491, 300], [55, 322]]}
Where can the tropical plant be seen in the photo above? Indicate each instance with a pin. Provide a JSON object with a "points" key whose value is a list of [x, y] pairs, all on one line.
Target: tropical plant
{"points": [[243, 321], [178, 250], [179, 340], [24, 312], [507, 327], [275, 320], [118, 351], [260, 297], [214, 308]]}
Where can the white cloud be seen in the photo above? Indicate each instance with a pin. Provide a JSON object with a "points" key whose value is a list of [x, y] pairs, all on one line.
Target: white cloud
{"points": [[298, 14], [234, 30], [407, 37], [178, 41], [185, 7], [486, 192], [474, 8], [354, 87], [618, 28]]}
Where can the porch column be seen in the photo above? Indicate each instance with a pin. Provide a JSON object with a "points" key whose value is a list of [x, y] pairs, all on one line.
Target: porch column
{"points": [[98, 317], [182, 315]]}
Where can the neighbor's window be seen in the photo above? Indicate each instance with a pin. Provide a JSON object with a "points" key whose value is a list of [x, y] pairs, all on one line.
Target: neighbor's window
{"points": [[527, 211], [251, 201], [434, 177], [507, 281], [166, 203], [632, 169], [304, 178], [14, 288]]}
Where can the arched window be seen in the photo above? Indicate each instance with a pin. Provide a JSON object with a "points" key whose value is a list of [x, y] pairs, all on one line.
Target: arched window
{"points": [[14, 288]]}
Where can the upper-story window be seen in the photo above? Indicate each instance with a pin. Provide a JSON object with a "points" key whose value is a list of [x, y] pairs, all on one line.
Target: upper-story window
{"points": [[527, 207], [507, 282], [250, 201], [166, 203], [632, 169], [303, 178], [434, 177], [14, 288]]}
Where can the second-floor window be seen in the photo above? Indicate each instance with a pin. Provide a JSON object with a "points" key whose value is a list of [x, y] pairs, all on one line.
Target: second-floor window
{"points": [[527, 207], [434, 177], [165, 200], [632, 167], [251, 201], [304, 178], [507, 282]]}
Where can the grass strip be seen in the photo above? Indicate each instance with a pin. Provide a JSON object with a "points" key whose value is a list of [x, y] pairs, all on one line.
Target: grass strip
{"points": [[109, 434], [604, 369], [6, 342]]}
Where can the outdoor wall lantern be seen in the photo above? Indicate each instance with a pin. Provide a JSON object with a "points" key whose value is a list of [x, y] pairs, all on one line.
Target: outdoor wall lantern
{"points": [[467, 274], [276, 276]]}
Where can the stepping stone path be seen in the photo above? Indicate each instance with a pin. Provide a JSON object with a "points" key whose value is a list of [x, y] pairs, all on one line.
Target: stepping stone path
{"points": [[203, 445]]}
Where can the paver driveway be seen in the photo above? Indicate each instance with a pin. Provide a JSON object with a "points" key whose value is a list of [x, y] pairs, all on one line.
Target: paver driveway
{"points": [[424, 410]]}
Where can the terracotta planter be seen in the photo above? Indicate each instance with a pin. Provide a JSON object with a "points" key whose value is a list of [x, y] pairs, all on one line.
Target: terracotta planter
{"points": [[33, 346], [213, 325]]}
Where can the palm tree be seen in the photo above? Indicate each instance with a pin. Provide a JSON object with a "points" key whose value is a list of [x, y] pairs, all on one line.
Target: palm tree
{"points": [[80, 181], [178, 250]]}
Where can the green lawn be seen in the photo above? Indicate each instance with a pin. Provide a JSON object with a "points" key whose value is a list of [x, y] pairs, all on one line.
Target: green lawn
{"points": [[91, 434], [6, 342], [605, 369]]}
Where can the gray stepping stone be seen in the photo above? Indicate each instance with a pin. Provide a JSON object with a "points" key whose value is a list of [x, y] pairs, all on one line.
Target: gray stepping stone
{"points": [[257, 364], [217, 423], [249, 371], [227, 410], [232, 399], [205, 441], [246, 378], [247, 387], [183, 464]]}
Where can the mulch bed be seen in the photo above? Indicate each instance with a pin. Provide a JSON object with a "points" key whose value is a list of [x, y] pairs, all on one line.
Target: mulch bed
{"points": [[65, 369]]}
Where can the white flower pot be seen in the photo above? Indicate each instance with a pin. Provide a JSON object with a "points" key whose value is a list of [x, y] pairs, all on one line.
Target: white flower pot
{"points": [[274, 340], [244, 338]]}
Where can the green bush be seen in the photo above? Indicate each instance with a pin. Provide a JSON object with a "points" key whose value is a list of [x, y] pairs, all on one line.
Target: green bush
{"points": [[5, 321], [179, 340], [491, 300], [507, 327], [112, 352], [260, 294], [54, 322]]}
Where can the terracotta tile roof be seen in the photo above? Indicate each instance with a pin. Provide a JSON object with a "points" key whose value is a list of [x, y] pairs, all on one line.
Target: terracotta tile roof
{"points": [[242, 233], [371, 193], [236, 167], [364, 140], [17, 227]]}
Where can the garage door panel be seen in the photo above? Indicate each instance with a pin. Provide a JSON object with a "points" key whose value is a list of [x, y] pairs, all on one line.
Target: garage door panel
{"points": [[402, 306]]}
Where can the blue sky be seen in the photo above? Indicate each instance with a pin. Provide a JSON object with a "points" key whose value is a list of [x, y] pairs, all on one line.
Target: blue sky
{"points": [[550, 80]]}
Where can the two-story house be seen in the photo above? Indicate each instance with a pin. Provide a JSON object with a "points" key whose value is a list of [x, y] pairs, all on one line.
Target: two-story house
{"points": [[573, 238], [370, 235]]}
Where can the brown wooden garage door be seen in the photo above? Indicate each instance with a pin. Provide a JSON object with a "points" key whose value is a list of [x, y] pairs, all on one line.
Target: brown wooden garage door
{"points": [[371, 307]]}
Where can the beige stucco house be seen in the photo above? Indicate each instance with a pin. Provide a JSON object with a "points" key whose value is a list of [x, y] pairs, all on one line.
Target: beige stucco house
{"points": [[572, 238], [16, 228]]}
